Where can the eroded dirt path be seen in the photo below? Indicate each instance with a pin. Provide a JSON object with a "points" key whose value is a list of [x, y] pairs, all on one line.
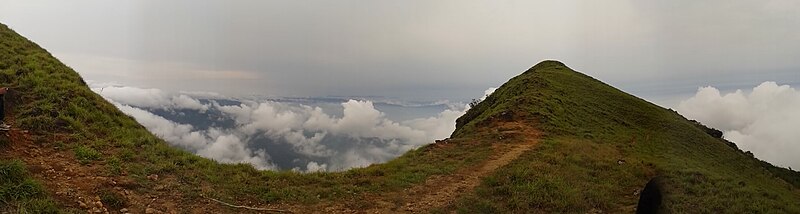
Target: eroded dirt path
{"points": [[441, 191]]}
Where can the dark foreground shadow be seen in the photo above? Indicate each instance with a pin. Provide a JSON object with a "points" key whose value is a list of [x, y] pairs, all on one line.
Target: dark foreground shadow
{"points": [[650, 198]]}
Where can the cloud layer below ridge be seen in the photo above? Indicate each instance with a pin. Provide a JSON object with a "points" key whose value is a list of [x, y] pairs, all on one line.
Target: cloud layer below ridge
{"points": [[279, 135], [763, 121]]}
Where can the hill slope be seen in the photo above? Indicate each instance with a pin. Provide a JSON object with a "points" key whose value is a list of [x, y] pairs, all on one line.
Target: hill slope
{"points": [[549, 140], [71, 149], [603, 145]]}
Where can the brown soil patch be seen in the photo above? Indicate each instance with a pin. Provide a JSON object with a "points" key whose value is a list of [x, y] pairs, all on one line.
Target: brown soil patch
{"points": [[80, 187]]}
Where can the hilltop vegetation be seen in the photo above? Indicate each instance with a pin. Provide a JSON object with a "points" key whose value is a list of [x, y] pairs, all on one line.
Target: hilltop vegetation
{"points": [[599, 148]]}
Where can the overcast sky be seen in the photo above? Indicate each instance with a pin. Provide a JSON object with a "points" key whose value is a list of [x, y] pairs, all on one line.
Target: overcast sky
{"points": [[415, 49], [662, 51]]}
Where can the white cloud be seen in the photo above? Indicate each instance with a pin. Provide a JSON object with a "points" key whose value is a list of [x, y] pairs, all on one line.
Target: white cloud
{"points": [[306, 128], [231, 149], [436, 127], [763, 121], [241, 113], [147, 97], [488, 92], [186, 102], [223, 148], [316, 167]]}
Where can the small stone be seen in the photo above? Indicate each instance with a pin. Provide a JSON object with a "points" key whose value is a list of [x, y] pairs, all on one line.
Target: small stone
{"points": [[123, 210], [98, 204], [149, 211], [82, 205], [153, 177]]}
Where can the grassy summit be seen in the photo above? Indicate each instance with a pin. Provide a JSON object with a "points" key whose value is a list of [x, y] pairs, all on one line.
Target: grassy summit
{"points": [[599, 147], [602, 145]]}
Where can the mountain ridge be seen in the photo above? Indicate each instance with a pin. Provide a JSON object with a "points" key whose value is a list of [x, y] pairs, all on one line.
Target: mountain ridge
{"points": [[596, 147]]}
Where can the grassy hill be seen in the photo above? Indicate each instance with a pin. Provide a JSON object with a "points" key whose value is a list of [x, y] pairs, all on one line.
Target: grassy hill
{"points": [[603, 145], [599, 147]]}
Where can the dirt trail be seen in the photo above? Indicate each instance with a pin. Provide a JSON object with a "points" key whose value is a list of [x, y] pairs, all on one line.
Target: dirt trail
{"points": [[441, 191]]}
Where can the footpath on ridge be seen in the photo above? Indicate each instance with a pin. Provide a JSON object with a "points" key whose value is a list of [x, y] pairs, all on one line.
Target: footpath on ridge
{"points": [[441, 191]]}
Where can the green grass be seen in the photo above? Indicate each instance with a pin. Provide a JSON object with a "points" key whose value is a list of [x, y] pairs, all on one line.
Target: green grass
{"points": [[86, 154], [21, 193], [113, 200], [589, 127]]}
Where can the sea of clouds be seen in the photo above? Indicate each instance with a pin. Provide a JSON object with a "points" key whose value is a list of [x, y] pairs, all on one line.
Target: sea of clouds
{"points": [[337, 134], [281, 135], [764, 120]]}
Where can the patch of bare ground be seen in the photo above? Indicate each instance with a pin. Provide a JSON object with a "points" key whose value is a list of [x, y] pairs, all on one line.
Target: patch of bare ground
{"points": [[81, 186]]}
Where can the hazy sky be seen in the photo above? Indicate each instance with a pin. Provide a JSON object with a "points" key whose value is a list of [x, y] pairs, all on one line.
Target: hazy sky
{"points": [[415, 49]]}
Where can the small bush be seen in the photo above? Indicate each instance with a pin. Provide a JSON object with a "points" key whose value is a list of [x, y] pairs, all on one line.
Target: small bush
{"points": [[43, 206], [15, 184], [86, 154], [112, 199], [474, 103], [37, 123], [12, 172], [114, 166]]}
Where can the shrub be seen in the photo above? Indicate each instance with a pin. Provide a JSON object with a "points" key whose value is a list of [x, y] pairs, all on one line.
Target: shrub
{"points": [[15, 184], [474, 103], [86, 154], [12, 172], [112, 199]]}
